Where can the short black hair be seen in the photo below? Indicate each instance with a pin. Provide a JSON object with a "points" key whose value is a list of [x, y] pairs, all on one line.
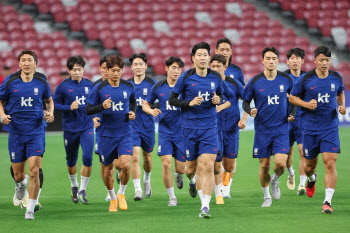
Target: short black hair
{"points": [[79, 60], [143, 56], [218, 57], [202, 45], [297, 52], [223, 40], [323, 50], [31, 53], [103, 60], [114, 60], [171, 60], [270, 49]]}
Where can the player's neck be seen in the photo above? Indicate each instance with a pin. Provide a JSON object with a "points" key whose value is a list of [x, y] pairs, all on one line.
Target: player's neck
{"points": [[27, 77], [270, 74], [322, 74], [114, 83], [104, 78], [295, 73], [171, 82], [78, 80], [139, 79], [202, 72], [223, 76]]}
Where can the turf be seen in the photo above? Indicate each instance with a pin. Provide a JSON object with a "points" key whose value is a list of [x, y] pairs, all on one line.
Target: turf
{"points": [[242, 213]]}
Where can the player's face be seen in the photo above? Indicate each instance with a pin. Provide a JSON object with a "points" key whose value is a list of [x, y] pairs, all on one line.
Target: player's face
{"points": [[201, 59], [27, 64], [225, 50], [77, 72], [103, 70], [295, 62], [218, 67], [139, 67], [323, 62], [270, 61], [115, 73], [174, 71]]}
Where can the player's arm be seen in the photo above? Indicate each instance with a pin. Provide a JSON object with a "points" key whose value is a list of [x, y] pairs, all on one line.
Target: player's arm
{"points": [[174, 101], [341, 102], [6, 119], [133, 107], [93, 109], [49, 117], [312, 104], [248, 95], [146, 107]]}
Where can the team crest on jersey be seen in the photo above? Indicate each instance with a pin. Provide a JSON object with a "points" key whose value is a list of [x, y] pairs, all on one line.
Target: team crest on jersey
{"points": [[232, 76], [36, 91], [333, 87], [86, 90], [159, 148], [13, 155], [144, 91], [212, 84], [306, 152], [281, 88], [187, 153], [255, 151], [125, 94]]}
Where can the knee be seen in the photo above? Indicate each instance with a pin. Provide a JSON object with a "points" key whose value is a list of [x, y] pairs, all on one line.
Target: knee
{"points": [[19, 176], [309, 169], [180, 169], [281, 164], [166, 166], [329, 164], [147, 158], [190, 171], [135, 159], [229, 168], [125, 167], [208, 167], [34, 171], [87, 162]]}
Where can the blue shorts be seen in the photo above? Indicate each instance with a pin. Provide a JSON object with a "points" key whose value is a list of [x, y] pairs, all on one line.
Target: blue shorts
{"points": [[72, 142], [144, 139], [230, 144], [171, 145], [295, 135], [113, 147], [97, 143], [319, 141], [219, 155], [267, 144], [21, 147], [200, 141]]}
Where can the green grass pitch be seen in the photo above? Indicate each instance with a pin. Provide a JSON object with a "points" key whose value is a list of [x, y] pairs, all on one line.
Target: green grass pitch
{"points": [[242, 213]]}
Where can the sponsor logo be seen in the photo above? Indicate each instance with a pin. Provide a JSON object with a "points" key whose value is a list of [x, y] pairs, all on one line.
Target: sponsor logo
{"points": [[26, 102], [38, 151], [117, 106], [205, 95], [194, 84], [335, 148], [107, 95], [262, 89], [323, 98], [16, 90], [285, 149], [215, 149], [313, 88], [162, 94], [81, 101], [169, 107], [273, 100], [71, 90], [139, 101], [128, 151], [233, 154], [90, 132]]}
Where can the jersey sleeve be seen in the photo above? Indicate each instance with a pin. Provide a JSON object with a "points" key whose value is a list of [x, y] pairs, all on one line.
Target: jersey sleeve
{"points": [[297, 88], [241, 78], [57, 99], [248, 93], [240, 90], [220, 90], [47, 92], [3, 90], [93, 97], [341, 87], [152, 95], [228, 93], [178, 88]]}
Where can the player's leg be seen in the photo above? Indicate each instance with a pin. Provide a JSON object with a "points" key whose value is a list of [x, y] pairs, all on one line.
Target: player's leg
{"points": [[198, 181], [180, 161], [191, 169], [311, 150], [87, 145], [71, 142], [264, 176], [16, 201], [135, 167], [97, 151], [116, 163], [147, 144], [217, 190], [34, 184], [168, 178], [301, 187], [290, 170]]}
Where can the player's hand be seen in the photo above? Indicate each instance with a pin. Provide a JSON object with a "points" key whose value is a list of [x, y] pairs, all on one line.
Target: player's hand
{"points": [[74, 105], [96, 123], [132, 116], [49, 117], [291, 118], [312, 104], [155, 112], [6, 119], [242, 124], [342, 110], [215, 99], [218, 108], [196, 101], [107, 103], [253, 112]]}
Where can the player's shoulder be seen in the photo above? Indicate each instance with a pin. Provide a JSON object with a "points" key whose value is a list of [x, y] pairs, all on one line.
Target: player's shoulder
{"points": [[284, 75], [130, 79], [256, 78], [40, 75], [214, 73], [233, 81], [127, 83], [102, 84], [63, 82], [159, 84], [189, 73], [150, 80], [97, 81], [335, 74], [308, 75], [234, 66]]}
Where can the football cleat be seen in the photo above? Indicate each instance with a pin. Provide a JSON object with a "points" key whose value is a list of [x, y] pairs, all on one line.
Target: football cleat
{"points": [[82, 197], [74, 194], [327, 209], [225, 178], [204, 213], [301, 190], [21, 191], [29, 215], [310, 187], [108, 198], [219, 200], [25, 201], [226, 192], [193, 190], [15, 200], [179, 181], [275, 190], [138, 195], [113, 206], [147, 189], [172, 202], [37, 207], [122, 202], [291, 182], [267, 202]]}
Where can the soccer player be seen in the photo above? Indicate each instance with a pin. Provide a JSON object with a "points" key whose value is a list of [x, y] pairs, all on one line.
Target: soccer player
{"points": [[228, 123], [22, 117], [143, 127], [170, 140], [269, 90], [200, 88], [70, 98], [115, 99], [318, 93], [295, 59]]}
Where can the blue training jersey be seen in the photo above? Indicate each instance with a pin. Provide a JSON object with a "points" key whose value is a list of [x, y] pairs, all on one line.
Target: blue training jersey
{"points": [[324, 91], [115, 120], [169, 122], [271, 101], [191, 85], [23, 101], [143, 121], [98, 114], [235, 72], [230, 117], [66, 93]]}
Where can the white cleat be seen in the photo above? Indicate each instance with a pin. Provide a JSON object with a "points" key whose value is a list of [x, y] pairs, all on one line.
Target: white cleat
{"points": [[275, 190], [301, 190], [138, 195], [267, 202], [147, 189], [226, 192], [172, 202], [16, 202], [29, 215], [21, 191], [108, 197], [25, 201], [291, 182]]}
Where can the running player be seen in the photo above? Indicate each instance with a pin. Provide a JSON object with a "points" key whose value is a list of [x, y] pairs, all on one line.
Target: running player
{"points": [[143, 127], [269, 90], [170, 140], [115, 99], [23, 119], [295, 59], [200, 88], [70, 98], [318, 93]]}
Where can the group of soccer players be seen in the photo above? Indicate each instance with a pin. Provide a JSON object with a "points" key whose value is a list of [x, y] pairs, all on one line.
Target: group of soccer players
{"points": [[199, 123]]}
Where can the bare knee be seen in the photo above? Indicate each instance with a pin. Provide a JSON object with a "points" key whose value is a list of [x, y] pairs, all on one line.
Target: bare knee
{"points": [[329, 164], [180, 169], [166, 166]]}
